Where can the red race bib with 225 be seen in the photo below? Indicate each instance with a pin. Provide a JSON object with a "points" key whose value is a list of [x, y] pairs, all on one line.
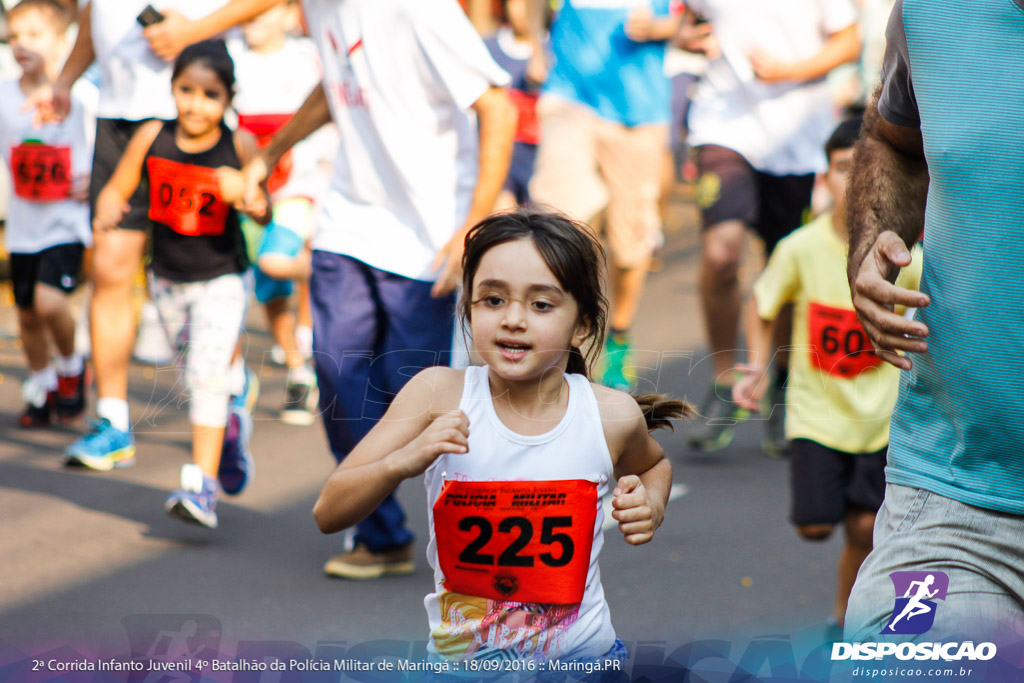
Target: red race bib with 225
{"points": [[840, 345], [186, 198], [522, 541], [41, 173]]}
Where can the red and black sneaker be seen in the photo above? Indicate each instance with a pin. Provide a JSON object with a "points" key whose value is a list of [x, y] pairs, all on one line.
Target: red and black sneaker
{"points": [[71, 391], [37, 417]]}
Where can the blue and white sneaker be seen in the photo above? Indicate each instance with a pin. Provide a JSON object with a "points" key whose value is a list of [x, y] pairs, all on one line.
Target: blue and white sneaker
{"points": [[237, 467], [196, 500], [103, 448]]}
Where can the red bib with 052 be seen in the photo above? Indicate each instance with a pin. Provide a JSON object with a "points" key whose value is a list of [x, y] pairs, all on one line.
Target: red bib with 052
{"points": [[186, 198], [840, 345], [522, 541], [41, 173]]}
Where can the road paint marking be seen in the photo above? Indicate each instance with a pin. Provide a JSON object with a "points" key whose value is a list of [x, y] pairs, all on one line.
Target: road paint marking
{"points": [[677, 491]]}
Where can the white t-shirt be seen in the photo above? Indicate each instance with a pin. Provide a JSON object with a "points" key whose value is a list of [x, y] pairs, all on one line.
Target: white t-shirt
{"points": [[274, 86], [36, 225], [780, 128], [400, 76], [136, 84]]}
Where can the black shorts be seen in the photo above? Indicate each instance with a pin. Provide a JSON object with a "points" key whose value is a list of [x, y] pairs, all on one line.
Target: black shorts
{"points": [[58, 266], [730, 189], [826, 483], [112, 137]]}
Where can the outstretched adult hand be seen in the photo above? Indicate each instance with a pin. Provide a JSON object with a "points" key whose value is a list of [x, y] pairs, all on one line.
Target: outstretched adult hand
{"points": [[875, 296]]}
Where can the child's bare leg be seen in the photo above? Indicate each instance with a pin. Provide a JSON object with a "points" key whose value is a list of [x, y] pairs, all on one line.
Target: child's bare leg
{"points": [[305, 311], [54, 310], [206, 446], [32, 329], [304, 328], [859, 529], [282, 327]]}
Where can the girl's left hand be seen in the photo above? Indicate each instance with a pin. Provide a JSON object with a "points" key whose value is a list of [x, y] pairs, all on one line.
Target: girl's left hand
{"points": [[633, 511]]}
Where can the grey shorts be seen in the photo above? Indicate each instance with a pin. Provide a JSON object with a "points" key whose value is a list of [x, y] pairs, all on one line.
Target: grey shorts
{"points": [[981, 551]]}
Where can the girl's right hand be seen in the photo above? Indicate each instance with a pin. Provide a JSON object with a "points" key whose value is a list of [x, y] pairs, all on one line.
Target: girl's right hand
{"points": [[747, 392], [110, 210], [448, 433]]}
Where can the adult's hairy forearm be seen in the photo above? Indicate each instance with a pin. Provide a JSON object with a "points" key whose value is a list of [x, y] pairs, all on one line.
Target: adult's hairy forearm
{"points": [[888, 187]]}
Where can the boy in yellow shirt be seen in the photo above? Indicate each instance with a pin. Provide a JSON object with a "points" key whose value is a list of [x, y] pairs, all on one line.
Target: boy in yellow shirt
{"points": [[839, 395]]}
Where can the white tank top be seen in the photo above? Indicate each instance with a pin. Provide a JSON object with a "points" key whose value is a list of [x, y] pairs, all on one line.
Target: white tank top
{"points": [[469, 627]]}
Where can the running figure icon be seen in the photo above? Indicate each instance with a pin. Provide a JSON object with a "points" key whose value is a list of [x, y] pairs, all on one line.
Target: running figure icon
{"points": [[915, 606]]}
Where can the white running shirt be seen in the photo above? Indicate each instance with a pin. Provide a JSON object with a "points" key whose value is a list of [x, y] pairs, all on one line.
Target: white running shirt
{"points": [[780, 128], [400, 76], [35, 225]]}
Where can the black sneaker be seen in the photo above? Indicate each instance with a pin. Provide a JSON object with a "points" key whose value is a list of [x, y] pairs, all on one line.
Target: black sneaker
{"points": [[720, 415], [36, 417], [300, 403], [70, 397]]}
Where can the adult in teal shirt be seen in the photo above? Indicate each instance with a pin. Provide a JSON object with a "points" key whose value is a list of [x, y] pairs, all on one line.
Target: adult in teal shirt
{"points": [[943, 150]]}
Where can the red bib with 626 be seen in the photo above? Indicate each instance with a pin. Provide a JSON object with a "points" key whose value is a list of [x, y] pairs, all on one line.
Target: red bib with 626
{"points": [[186, 198], [41, 173], [525, 541], [840, 345]]}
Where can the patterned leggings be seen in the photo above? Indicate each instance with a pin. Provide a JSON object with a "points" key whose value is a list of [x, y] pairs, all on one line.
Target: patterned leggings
{"points": [[203, 321]]}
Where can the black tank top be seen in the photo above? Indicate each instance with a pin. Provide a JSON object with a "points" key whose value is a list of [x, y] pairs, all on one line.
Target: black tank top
{"points": [[192, 254]]}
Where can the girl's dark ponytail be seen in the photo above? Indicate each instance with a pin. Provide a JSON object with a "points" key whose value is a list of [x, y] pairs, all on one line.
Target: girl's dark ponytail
{"points": [[659, 410]]}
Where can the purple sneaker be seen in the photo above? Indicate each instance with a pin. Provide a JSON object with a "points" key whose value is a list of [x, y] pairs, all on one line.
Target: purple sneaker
{"points": [[237, 468]]}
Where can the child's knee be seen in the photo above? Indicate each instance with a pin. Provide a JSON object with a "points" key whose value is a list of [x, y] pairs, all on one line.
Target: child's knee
{"points": [[860, 527], [815, 532], [49, 302]]}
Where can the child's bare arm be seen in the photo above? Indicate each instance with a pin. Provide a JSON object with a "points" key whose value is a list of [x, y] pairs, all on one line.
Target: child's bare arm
{"points": [[747, 392], [644, 474], [420, 425], [110, 203]]}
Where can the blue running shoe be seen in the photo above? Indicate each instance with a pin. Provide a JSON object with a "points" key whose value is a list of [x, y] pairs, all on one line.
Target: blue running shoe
{"points": [[237, 467], [196, 500], [103, 448]]}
